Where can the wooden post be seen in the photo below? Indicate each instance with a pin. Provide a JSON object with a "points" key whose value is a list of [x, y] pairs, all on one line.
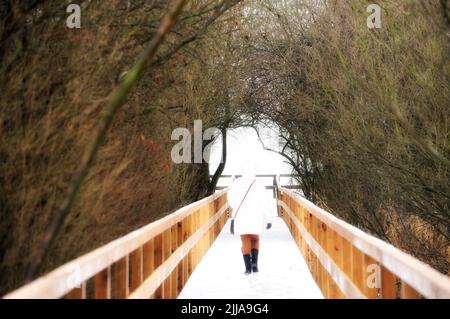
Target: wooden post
{"points": [[148, 258], [388, 284], [102, 284], [347, 263], [202, 239], [194, 249], [191, 252], [174, 274], [338, 253], [77, 293], [121, 279], [197, 246], [371, 278], [308, 249], [407, 292], [208, 233], [357, 268], [180, 237], [217, 225], [320, 273], [315, 266], [158, 259], [167, 251], [186, 227], [282, 198], [303, 221], [335, 246], [212, 212], [136, 269], [330, 235]]}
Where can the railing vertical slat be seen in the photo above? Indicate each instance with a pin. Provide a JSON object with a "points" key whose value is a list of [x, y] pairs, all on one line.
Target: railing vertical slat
{"points": [[197, 247], [357, 271], [167, 243], [174, 274], [191, 252], [180, 282], [136, 269], [321, 270], [209, 234], [202, 240], [371, 278], [122, 287], [347, 266], [148, 259], [186, 260], [219, 222], [303, 221], [388, 284], [338, 256], [308, 228], [316, 259], [102, 284], [332, 288], [77, 293], [407, 292], [158, 260]]}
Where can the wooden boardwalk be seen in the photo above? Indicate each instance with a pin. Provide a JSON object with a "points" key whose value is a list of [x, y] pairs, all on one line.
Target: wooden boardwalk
{"points": [[283, 274], [309, 253]]}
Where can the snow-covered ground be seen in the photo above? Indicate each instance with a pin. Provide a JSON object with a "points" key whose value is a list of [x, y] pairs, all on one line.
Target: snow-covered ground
{"points": [[283, 273]]}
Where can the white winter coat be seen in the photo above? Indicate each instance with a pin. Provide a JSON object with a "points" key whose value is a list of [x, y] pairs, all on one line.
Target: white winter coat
{"points": [[254, 213]]}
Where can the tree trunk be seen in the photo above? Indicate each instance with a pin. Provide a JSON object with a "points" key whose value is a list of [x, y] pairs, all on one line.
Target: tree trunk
{"points": [[221, 167]]}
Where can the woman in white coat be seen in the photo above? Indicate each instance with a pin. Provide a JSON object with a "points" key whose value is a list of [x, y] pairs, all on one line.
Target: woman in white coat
{"points": [[248, 199]]}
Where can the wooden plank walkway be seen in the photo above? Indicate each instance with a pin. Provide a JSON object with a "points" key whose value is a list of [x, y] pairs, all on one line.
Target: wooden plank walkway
{"points": [[283, 271]]}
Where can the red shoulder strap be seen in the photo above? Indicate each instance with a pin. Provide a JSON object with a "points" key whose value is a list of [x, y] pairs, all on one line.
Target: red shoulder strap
{"points": [[244, 198]]}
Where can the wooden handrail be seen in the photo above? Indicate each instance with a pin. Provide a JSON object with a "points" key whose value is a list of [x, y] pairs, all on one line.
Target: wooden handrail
{"points": [[153, 261], [156, 260], [345, 261]]}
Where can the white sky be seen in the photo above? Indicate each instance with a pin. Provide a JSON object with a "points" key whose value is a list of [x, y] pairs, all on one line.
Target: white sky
{"points": [[243, 145]]}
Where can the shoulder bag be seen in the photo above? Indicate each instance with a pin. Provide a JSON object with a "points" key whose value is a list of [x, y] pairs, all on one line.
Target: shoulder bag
{"points": [[235, 215]]}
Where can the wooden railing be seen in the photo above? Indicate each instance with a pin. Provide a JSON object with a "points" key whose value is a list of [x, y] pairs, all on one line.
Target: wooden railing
{"points": [[274, 177], [154, 261], [348, 263]]}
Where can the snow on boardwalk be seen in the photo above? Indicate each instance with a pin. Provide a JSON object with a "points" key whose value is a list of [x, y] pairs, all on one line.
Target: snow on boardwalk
{"points": [[283, 273]]}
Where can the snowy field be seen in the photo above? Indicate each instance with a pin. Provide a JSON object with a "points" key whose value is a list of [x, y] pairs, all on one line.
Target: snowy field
{"points": [[283, 273]]}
